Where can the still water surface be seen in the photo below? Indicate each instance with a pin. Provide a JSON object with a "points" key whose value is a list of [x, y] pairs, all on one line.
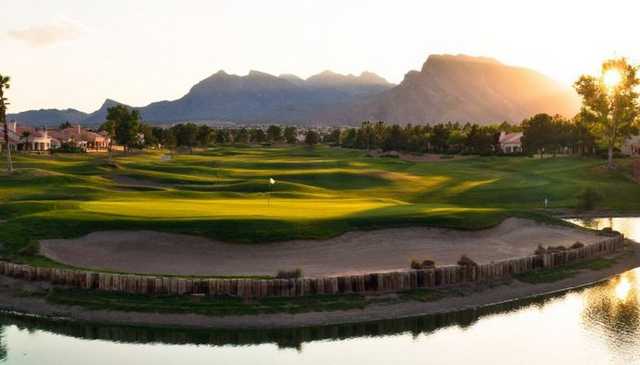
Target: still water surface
{"points": [[598, 325]]}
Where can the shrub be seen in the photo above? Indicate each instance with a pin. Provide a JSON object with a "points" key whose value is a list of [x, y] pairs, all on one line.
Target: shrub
{"points": [[466, 261], [540, 250], [578, 244], [289, 274], [556, 248], [416, 265], [588, 199], [425, 264], [608, 231], [428, 264]]}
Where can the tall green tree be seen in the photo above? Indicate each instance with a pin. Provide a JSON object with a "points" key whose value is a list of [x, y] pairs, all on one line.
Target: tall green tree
{"points": [[186, 135], [123, 126], [5, 83], [26, 135], [610, 103], [311, 138], [257, 135], [242, 136], [539, 134], [274, 133], [291, 135], [205, 135]]}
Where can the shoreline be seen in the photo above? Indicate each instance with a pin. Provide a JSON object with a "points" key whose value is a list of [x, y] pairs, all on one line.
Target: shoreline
{"points": [[14, 302]]}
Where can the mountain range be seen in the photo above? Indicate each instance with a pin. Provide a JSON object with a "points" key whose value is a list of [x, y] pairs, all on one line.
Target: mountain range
{"points": [[447, 88]]}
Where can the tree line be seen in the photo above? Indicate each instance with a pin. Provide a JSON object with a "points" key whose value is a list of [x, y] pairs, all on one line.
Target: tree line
{"points": [[542, 133], [126, 128]]}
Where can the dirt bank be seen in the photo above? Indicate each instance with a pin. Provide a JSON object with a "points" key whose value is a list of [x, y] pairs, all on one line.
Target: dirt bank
{"points": [[352, 253], [12, 298]]}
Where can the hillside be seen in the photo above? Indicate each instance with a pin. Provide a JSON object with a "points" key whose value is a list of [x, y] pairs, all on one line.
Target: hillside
{"points": [[466, 89], [261, 97], [447, 88], [48, 117]]}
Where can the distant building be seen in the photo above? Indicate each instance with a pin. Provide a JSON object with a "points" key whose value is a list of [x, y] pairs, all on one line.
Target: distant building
{"points": [[510, 142], [82, 138], [43, 139], [14, 139], [631, 146]]}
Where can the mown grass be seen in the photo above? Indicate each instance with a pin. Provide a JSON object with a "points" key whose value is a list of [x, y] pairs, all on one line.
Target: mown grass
{"points": [[565, 272], [223, 193], [213, 306]]}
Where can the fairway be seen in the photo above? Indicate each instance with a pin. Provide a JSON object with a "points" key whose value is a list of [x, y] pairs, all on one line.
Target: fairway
{"points": [[223, 193], [240, 208]]}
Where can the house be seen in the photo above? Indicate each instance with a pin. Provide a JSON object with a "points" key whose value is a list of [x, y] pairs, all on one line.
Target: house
{"points": [[24, 138], [83, 138], [34, 139], [14, 139], [631, 146], [510, 142]]}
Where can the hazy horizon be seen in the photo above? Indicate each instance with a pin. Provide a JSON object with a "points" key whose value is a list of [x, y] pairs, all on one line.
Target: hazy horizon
{"points": [[70, 54]]}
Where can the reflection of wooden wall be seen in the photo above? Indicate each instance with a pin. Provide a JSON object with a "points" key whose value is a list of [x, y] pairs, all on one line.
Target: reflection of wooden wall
{"points": [[368, 283]]}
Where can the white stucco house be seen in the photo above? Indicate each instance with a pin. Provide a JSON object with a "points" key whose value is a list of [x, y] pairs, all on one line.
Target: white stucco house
{"points": [[631, 146], [510, 142]]}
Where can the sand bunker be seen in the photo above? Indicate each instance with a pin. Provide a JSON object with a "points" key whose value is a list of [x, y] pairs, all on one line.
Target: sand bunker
{"points": [[354, 252]]}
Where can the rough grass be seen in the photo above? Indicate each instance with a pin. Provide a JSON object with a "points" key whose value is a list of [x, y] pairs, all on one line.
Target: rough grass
{"points": [[213, 306], [564, 272], [223, 193]]}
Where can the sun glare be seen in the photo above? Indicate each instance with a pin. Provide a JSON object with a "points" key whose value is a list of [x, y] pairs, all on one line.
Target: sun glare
{"points": [[612, 78]]}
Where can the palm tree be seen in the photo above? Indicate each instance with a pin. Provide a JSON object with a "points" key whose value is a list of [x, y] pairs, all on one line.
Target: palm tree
{"points": [[25, 136], [5, 84]]}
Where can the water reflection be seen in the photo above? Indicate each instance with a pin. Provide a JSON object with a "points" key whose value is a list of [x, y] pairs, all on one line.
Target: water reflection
{"points": [[283, 338], [3, 345], [630, 226], [612, 311]]}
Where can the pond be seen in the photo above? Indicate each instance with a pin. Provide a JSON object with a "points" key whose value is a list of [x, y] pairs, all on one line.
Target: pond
{"points": [[596, 325]]}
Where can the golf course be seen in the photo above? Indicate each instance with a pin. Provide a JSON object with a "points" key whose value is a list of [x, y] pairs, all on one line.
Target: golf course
{"points": [[225, 194]]}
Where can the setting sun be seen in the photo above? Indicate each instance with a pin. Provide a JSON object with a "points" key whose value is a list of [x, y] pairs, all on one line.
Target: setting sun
{"points": [[612, 78]]}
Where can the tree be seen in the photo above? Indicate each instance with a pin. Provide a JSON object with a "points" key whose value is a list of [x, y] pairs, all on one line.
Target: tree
{"points": [[438, 137], [65, 125], [223, 136], [150, 138], [26, 135], [5, 83], [242, 136], [257, 135], [168, 139], [123, 125], [348, 138], [538, 134], [186, 135], [333, 137], [274, 133], [311, 138], [204, 135], [395, 139], [482, 140], [610, 103], [291, 135]]}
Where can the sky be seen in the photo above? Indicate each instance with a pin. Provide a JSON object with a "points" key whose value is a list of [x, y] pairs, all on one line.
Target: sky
{"points": [[74, 53]]}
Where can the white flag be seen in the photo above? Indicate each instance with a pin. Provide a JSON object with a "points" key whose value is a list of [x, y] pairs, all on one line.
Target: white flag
{"points": [[271, 181]]}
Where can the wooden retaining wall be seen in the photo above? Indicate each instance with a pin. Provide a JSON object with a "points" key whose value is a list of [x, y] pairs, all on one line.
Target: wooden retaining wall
{"points": [[368, 283]]}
